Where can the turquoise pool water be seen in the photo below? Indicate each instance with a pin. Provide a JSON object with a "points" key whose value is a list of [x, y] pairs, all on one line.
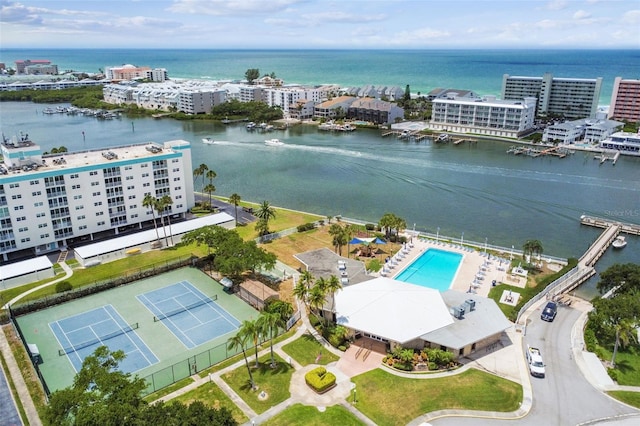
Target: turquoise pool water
{"points": [[434, 269]]}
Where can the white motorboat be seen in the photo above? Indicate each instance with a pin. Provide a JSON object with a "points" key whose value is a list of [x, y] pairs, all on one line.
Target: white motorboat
{"points": [[443, 137], [273, 142], [619, 242], [208, 141]]}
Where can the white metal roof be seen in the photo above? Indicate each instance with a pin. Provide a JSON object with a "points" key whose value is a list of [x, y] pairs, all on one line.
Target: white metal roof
{"points": [[143, 237], [24, 267], [391, 309], [486, 320]]}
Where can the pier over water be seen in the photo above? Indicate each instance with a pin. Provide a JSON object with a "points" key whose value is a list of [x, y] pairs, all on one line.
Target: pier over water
{"points": [[585, 268]]}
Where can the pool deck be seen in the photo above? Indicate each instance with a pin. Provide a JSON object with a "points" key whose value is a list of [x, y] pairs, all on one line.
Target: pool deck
{"points": [[472, 263]]}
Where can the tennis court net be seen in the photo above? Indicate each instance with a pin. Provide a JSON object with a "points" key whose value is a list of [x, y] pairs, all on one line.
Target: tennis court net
{"points": [[99, 339], [181, 309]]}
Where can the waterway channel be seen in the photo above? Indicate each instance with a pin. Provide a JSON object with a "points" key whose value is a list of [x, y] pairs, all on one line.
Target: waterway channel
{"points": [[473, 191]]}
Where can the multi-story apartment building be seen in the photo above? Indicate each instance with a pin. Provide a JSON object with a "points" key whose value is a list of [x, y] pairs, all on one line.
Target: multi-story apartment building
{"points": [[625, 100], [21, 65], [252, 93], [41, 69], [131, 72], [486, 115], [331, 108], [52, 201], [374, 111], [287, 97], [200, 101], [587, 130], [625, 142], [570, 97]]}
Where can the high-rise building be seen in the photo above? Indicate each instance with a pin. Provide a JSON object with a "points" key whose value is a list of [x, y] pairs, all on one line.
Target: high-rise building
{"points": [[48, 202], [625, 100], [569, 97]]}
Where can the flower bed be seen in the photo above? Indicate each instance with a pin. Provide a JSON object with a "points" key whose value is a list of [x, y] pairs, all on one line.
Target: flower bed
{"points": [[320, 380]]}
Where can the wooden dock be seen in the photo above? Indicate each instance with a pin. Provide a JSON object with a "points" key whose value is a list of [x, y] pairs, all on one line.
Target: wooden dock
{"points": [[626, 228]]}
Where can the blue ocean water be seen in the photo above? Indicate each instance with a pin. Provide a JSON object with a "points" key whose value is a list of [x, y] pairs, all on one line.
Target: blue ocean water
{"points": [[423, 70]]}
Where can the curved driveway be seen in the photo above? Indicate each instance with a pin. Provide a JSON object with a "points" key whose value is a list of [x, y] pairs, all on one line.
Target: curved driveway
{"points": [[564, 396]]}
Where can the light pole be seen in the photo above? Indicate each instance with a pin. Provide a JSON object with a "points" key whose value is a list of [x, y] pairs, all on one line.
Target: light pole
{"points": [[354, 394], [485, 245], [437, 234], [462, 239], [511, 255]]}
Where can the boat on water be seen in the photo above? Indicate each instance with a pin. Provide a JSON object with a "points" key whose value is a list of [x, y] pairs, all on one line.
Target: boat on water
{"points": [[273, 142], [208, 141], [443, 137], [619, 242]]}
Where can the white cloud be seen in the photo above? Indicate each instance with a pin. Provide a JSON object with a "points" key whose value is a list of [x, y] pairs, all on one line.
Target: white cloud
{"points": [[632, 17], [557, 4], [581, 14], [230, 7], [338, 16]]}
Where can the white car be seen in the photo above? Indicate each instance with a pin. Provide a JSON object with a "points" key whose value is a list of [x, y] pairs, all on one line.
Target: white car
{"points": [[536, 363]]}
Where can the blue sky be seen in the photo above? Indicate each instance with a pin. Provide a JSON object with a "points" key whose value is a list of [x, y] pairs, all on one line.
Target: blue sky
{"points": [[320, 24]]}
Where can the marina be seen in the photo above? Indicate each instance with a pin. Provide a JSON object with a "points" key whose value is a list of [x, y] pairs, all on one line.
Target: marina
{"points": [[557, 151]]}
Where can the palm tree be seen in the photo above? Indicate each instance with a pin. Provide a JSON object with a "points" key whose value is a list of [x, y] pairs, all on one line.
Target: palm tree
{"points": [[235, 200], [336, 231], [307, 278], [318, 296], [269, 323], [332, 286], [238, 341], [200, 171], [265, 211], [626, 331], [167, 201], [301, 292], [150, 201], [209, 189], [250, 330], [159, 206]]}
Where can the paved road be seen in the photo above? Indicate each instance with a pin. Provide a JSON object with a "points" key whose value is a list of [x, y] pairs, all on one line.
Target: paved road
{"points": [[564, 396], [8, 412]]}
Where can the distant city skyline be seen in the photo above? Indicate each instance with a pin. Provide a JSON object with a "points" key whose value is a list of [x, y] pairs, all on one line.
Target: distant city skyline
{"points": [[311, 24]]}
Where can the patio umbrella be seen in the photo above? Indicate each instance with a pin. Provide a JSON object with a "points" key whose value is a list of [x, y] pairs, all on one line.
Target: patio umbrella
{"points": [[353, 241], [378, 240]]}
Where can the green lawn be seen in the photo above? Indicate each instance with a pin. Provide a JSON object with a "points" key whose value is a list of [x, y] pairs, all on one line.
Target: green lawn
{"points": [[274, 381], [211, 395], [305, 350], [299, 414], [627, 364], [628, 397], [391, 400]]}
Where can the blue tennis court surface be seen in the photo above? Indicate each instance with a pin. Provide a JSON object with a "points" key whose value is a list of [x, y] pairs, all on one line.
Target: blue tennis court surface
{"points": [[80, 335], [191, 315]]}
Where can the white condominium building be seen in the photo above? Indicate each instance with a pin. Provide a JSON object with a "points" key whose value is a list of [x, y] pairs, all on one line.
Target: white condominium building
{"points": [[570, 97], [287, 97], [58, 200], [485, 115]]}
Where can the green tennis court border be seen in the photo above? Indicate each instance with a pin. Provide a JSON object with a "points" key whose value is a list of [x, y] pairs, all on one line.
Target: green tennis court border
{"points": [[176, 362]]}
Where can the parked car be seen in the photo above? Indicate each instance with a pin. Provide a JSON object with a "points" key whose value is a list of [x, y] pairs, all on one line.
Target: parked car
{"points": [[549, 312]]}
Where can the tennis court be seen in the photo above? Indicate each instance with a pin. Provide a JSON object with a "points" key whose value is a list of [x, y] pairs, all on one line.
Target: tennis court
{"points": [[92, 320], [80, 335], [193, 317]]}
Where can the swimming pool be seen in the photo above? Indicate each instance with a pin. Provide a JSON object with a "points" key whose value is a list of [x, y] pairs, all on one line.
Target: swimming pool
{"points": [[434, 269]]}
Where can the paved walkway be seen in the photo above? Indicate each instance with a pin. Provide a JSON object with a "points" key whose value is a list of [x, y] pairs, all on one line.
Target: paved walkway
{"points": [[12, 365]]}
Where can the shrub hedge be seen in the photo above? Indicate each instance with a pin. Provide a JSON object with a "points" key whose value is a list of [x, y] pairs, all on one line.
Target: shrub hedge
{"points": [[320, 380]]}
